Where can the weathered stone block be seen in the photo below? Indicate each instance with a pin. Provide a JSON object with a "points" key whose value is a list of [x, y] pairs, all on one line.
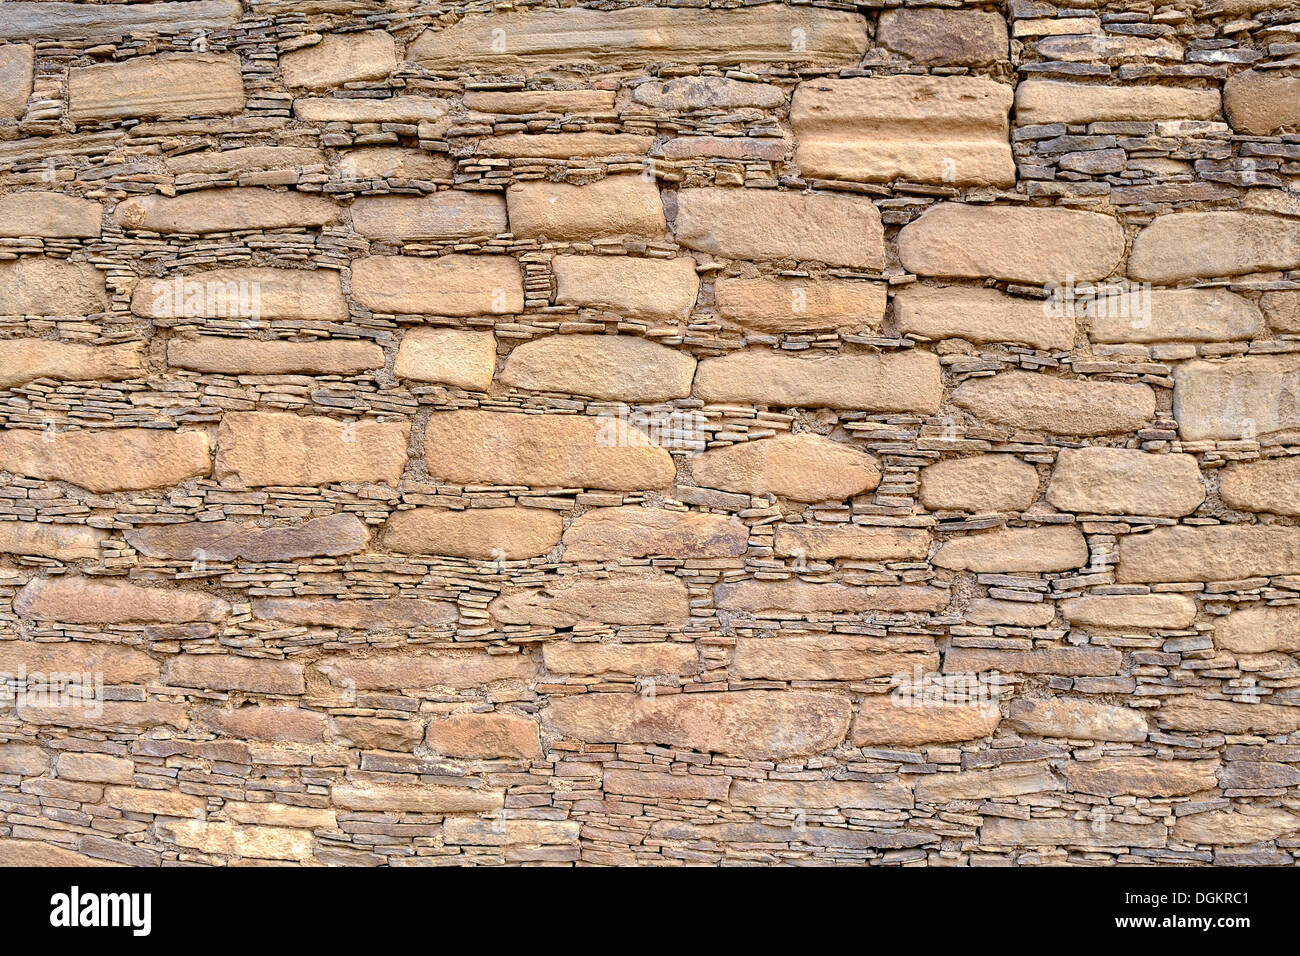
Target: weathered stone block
{"points": [[340, 58], [168, 87], [104, 460], [621, 598], [798, 305], [982, 483], [1208, 553], [1050, 548], [664, 289], [1207, 244], [610, 207], [505, 534], [981, 316], [894, 382], [452, 285], [614, 367], [454, 357], [604, 534], [450, 214], [25, 360], [805, 467], [1125, 481], [279, 448], [1056, 405]]}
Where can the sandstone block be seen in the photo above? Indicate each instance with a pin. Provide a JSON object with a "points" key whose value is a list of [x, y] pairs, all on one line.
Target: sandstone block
{"points": [[1208, 553], [754, 724], [821, 794], [114, 663], [225, 210], [76, 600], [804, 467], [1140, 776], [822, 658], [165, 87], [990, 612], [414, 798], [475, 447], [610, 207], [378, 733], [484, 737], [508, 833], [1207, 244], [25, 853], [450, 214], [214, 354], [405, 670], [605, 534], [452, 285], [26, 360], [1262, 104], [1272, 485], [798, 305], [37, 285], [669, 786], [894, 382], [267, 723], [162, 803], [687, 93], [1010, 781], [76, 21], [640, 659], [1126, 611], [16, 65], [613, 367], [46, 214], [1187, 713], [230, 672], [1053, 548], [1125, 481], [247, 842], [738, 224], [884, 720], [1050, 101], [111, 715], [375, 614], [939, 37], [565, 145], [642, 35], [789, 598], [396, 162], [1020, 244], [340, 58], [408, 110], [1056, 405], [1235, 827], [111, 459], [506, 534], [26, 760], [981, 316], [311, 295], [245, 159], [1076, 720], [279, 448], [939, 129], [454, 357], [558, 102], [1002, 831], [1174, 315], [1240, 399], [664, 289], [1259, 629], [621, 598], [854, 542], [982, 483], [1064, 661]]}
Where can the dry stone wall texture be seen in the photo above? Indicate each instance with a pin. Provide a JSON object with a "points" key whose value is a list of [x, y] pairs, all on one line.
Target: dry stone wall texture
{"points": [[439, 433]]}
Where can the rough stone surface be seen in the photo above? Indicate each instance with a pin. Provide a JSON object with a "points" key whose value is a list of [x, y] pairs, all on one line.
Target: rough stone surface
{"points": [[48, 215], [625, 597], [944, 37], [496, 534], [605, 534], [107, 460], [276, 448], [1209, 553], [451, 285], [615, 367], [25, 360], [1208, 244], [980, 316], [1125, 481], [232, 540], [797, 305], [981, 483], [804, 467], [1250, 397], [1016, 549], [1261, 104], [1057, 405], [76, 600], [448, 357], [638, 288], [171, 86], [614, 206], [225, 210], [1272, 486]]}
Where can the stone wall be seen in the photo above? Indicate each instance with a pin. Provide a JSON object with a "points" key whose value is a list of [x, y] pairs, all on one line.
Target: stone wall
{"points": [[438, 434]]}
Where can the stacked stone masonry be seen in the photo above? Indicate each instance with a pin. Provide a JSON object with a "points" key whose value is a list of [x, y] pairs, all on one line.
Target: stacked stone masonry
{"points": [[439, 434]]}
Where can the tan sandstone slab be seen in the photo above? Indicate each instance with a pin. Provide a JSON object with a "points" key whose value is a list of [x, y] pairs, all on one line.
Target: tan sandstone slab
{"points": [[1125, 481], [455, 357], [560, 102], [981, 316], [77, 21], [233, 540], [931, 129], [939, 37], [671, 786], [312, 295], [119, 716], [229, 672], [106, 460], [1238, 826], [822, 658], [1125, 611], [604, 534], [613, 367], [245, 159], [855, 542], [755, 724], [1056, 405], [65, 542], [621, 598], [1173, 315], [990, 612], [1272, 485], [1114, 776], [797, 305], [38, 285], [1076, 719], [688, 93], [640, 659], [76, 600], [1189, 245], [822, 794], [565, 145], [280, 448], [884, 720], [1208, 553], [453, 285], [910, 381], [608, 208], [833, 228], [1052, 101], [372, 614], [506, 448], [409, 110], [266, 723], [396, 162], [1260, 103], [804, 467], [1259, 629], [981, 483], [642, 35], [450, 214], [30, 853], [1003, 831], [663, 289], [1023, 244], [484, 737], [226, 210], [49, 215], [1190, 714], [793, 598], [505, 534], [405, 669], [1244, 398], [1008, 781], [25, 360], [165, 87], [114, 663], [214, 354], [340, 58], [16, 69], [414, 798], [1064, 661], [1052, 548]]}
